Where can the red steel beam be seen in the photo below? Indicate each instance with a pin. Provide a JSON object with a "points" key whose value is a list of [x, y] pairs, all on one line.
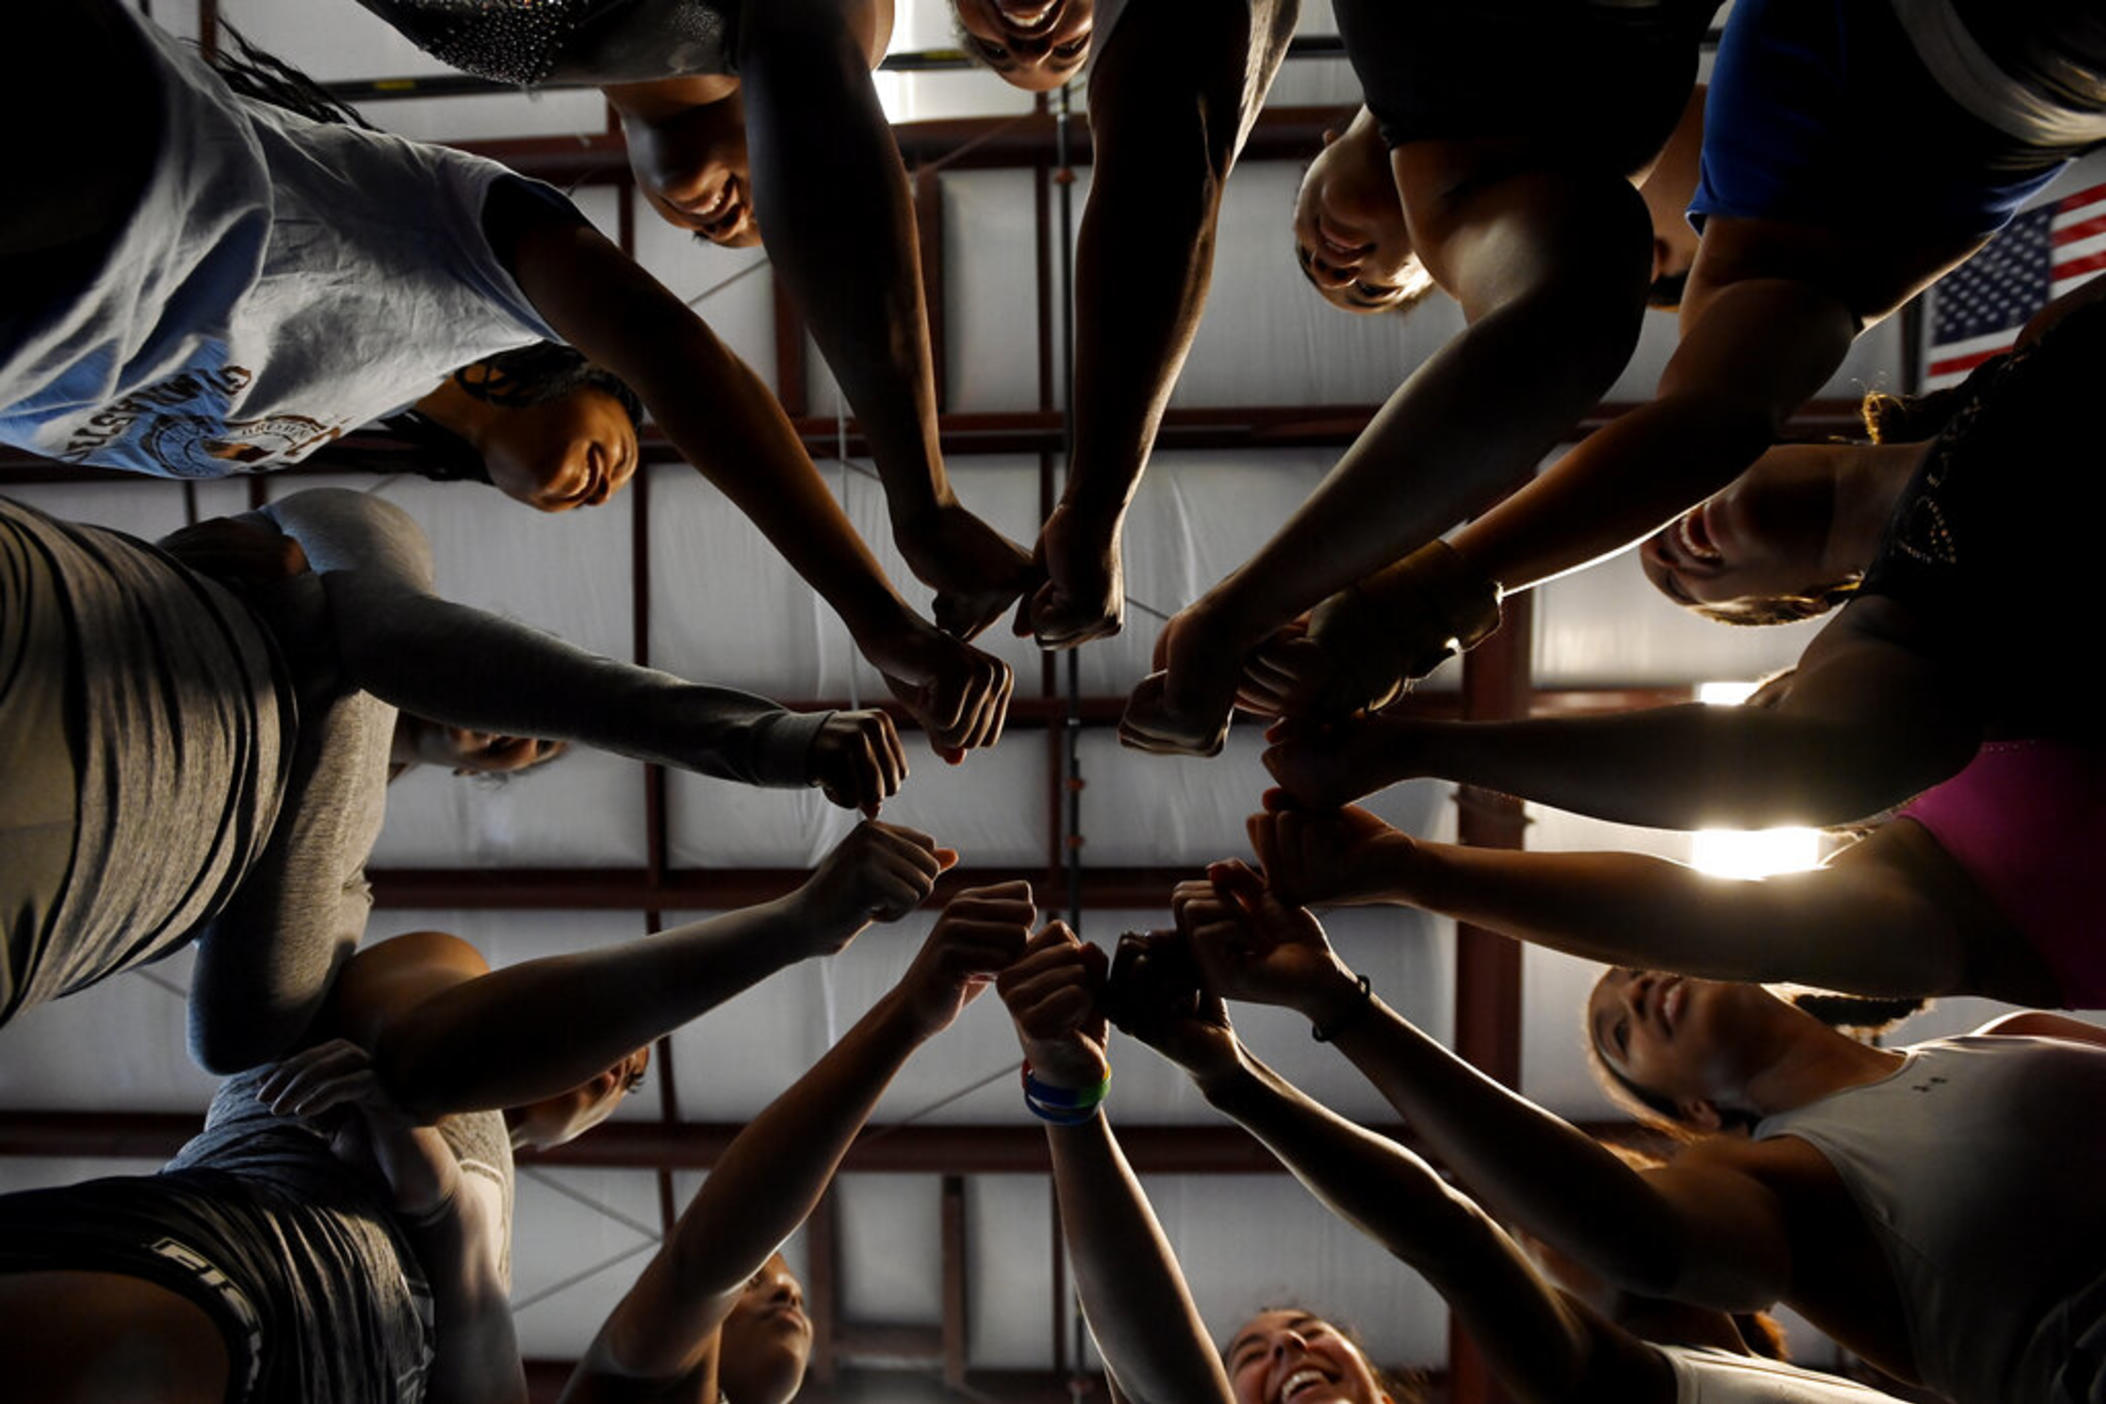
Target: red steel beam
{"points": [[909, 1149], [977, 432]]}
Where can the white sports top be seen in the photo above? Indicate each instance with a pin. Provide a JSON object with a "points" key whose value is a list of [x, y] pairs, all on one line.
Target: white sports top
{"points": [[1977, 1166], [1704, 1375], [280, 282]]}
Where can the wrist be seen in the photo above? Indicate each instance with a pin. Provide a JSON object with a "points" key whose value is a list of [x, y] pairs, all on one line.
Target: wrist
{"points": [[1228, 1086], [918, 503], [800, 926], [1331, 998]]}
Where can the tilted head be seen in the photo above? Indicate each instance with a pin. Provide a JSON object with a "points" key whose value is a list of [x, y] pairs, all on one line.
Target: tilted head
{"points": [[1285, 1355], [1759, 551], [766, 1342], [553, 1121], [1350, 236], [547, 427], [1681, 1051], [694, 170], [1031, 44]]}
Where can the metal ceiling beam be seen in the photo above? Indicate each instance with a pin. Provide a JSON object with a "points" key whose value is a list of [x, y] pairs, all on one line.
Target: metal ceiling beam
{"points": [[1020, 432], [910, 1149]]}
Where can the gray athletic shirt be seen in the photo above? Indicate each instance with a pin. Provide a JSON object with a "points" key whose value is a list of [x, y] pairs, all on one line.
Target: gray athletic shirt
{"points": [[182, 745]]}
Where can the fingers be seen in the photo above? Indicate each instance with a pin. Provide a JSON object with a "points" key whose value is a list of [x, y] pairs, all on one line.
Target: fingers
{"points": [[860, 763], [315, 1079], [1237, 879], [1149, 725], [966, 708]]}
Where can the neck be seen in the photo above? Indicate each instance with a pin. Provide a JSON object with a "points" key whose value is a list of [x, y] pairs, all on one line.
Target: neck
{"points": [[452, 408], [1867, 487], [1812, 1061]]}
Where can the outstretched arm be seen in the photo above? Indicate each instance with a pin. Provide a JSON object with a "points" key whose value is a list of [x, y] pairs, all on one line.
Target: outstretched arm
{"points": [[726, 423], [1536, 259], [1861, 925], [1154, 1345], [772, 1176], [1871, 718], [1703, 1233], [449, 1035], [839, 226], [1168, 114], [462, 666], [1546, 1347]]}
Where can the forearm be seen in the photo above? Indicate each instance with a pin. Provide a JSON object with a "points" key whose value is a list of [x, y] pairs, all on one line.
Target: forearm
{"points": [[840, 229], [732, 429], [1396, 1198], [542, 1027], [1616, 908], [1469, 424], [773, 1174], [1132, 1293], [719, 414], [476, 1353], [1549, 1176], [1143, 259], [1686, 767], [459, 666], [1759, 351]]}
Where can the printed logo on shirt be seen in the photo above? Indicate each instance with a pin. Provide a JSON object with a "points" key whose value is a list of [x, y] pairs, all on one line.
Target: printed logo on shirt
{"points": [[220, 1285], [181, 425]]}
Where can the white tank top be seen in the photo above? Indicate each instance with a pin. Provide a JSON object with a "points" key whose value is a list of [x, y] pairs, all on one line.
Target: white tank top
{"points": [[1704, 1375], [281, 281], [1979, 1167]]}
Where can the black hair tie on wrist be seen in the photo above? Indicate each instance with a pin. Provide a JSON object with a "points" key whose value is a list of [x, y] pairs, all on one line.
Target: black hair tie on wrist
{"points": [[1352, 1017]]}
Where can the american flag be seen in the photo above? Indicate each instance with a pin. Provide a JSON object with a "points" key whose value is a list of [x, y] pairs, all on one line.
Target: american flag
{"points": [[1980, 307]]}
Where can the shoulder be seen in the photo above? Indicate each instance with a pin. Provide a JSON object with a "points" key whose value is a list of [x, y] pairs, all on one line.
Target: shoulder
{"points": [[392, 976], [2036, 1023]]}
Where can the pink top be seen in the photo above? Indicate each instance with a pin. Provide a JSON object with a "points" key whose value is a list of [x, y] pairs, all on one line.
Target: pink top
{"points": [[2027, 820]]}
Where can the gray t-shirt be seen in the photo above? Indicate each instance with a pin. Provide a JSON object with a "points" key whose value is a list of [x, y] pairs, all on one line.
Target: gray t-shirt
{"points": [[180, 731]]}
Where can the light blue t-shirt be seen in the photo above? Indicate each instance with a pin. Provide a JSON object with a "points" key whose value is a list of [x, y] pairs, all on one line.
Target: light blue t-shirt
{"points": [[281, 282]]}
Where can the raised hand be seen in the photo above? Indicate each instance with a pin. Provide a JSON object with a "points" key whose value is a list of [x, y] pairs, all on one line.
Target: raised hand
{"points": [[1154, 994], [1342, 856], [1249, 944], [857, 761], [1324, 765], [1183, 708], [1052, 994], [958, 694], [880, 872], [1083, 596], [980, 934], [421, 1171], [974, 569]]}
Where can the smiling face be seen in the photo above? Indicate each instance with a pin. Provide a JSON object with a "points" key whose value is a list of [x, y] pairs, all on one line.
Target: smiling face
{"points": [[1030, 44], [694, 170], [1291, 1357], [1349, 231], [767, 1339], [1765, 536], [574, 451], [1693, 1043]]}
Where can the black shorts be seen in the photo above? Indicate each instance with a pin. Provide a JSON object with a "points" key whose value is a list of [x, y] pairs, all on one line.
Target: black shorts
{"points": [[1607, 80], [290, 1296]]}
